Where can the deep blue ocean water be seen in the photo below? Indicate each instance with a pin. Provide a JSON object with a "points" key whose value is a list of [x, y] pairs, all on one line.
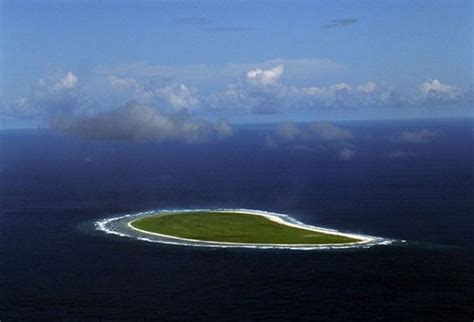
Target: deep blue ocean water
{"points": [[55, 266]]}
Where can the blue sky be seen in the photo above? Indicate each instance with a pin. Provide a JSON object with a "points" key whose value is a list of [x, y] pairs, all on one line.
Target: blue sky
{"points": [[309, 60]]}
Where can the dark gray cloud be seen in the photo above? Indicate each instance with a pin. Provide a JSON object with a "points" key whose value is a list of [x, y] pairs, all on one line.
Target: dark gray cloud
{"points": [[344, 22], [192, 21], [314, 131], [329, 132], [315, 136], [139, 122], [230, 29], [211, 27]]}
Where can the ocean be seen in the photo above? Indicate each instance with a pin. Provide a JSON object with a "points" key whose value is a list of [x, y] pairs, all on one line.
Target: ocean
{"points": [[408, 181]]}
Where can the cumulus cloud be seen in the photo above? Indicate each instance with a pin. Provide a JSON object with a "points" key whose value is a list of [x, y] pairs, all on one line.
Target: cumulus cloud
{"points": [[262, 89], [263, 92], [343, 95], [173, 96], [161, 112], [328, 96], [435, 92], [273, 86], [266, 77], [260, 92], [299, 69], [134, 121], [243, 100], [67, 81], [122, 82], [178, 96], [435, 87], [56, 84], [369, 87], [418, 136], [56, 94]]}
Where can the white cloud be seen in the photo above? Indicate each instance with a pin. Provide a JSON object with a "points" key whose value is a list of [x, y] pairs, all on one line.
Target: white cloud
{"points": [[178, 96], [265, 77], [295, 70], [369, 87], [262, 88], [262, 91], [329, 96], [259, 92], [122, 82], [267, 94], [68, 81], [55, 84], [242, 100], [57, 93], [174, 96], [435, 87], [329, 91], [343, 95], [436, 93], [59, 100]]}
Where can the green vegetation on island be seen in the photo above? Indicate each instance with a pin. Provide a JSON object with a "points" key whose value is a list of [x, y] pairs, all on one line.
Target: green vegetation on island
{"points": [[234, 227]]}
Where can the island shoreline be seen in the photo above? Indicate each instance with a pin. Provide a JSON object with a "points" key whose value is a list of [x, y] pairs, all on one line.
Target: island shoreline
{"points": [[362, 239]]}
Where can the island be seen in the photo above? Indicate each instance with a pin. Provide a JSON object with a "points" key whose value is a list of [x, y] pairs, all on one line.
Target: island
{"points": [[238, 227]]}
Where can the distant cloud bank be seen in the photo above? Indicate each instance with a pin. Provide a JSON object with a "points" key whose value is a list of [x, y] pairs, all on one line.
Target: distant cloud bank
{"points": [[157, 101]]}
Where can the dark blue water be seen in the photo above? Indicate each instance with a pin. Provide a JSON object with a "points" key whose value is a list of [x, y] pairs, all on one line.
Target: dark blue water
{"points": [[55, 266]]}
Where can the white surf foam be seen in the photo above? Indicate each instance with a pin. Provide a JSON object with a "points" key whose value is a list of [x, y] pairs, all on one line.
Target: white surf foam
{"points": [[120, 226]]}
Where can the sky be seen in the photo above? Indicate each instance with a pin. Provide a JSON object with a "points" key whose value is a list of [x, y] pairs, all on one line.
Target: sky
{"points": [[105, 68]]}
